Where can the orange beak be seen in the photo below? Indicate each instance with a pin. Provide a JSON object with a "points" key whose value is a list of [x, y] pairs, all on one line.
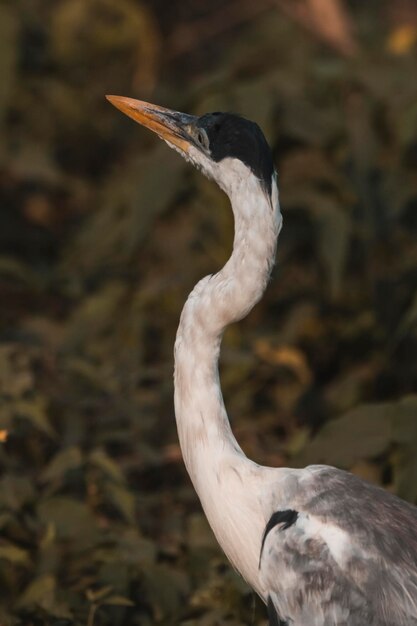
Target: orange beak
{"points": [[172, 126]]}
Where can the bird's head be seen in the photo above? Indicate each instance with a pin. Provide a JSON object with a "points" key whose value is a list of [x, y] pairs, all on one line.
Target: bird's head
{"points": [[224, 146]]}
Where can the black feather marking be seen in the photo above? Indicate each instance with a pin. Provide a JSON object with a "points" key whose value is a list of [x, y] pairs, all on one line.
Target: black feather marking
{"points": [[233, 136], [287, 518], [274, 619]]}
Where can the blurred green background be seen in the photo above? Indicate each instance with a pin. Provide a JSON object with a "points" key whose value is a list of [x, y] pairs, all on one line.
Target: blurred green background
{"points": [[104, 231]]}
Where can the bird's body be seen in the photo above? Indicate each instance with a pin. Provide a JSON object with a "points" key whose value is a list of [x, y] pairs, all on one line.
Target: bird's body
{"points": [[320, 546]]}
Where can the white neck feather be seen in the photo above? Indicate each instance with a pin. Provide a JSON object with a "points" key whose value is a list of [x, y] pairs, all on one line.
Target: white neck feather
{"points": [[226, 481], [204, 431]]}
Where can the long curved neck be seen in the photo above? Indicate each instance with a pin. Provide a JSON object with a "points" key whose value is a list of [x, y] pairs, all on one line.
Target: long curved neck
{"points": [[216, 301]]}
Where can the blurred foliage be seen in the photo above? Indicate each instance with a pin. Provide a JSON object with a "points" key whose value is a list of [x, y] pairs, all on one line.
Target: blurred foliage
{"points": [[103, 232]]}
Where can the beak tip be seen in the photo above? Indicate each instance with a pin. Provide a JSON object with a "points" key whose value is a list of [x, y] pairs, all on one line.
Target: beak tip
{"points": [[113, 99], [125, 105]]}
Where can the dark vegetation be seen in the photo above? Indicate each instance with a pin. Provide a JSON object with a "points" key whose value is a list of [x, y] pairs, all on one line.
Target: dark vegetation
{"points": [[103, 232]]}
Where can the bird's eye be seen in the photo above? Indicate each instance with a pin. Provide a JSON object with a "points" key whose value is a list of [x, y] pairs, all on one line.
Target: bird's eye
{"points": [[202, 138]]}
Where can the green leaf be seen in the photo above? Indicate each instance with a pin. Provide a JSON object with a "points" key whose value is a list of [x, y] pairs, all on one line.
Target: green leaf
{"points": [[35, 411], [118, 601], [134, 549], [72, 519], [405, 458], [40, 591], [165, 588], [94, 317], [16, 491], [364, 432], [16, 269], [405, 473], [409, 319], [333, 242], [404, 421], [101, 459], [14, 554], [16, 377], [122, 499], [63, 462], [5, 518], [97, 595]]}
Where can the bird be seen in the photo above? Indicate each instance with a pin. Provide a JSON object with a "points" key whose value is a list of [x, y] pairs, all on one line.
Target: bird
{"points": [[319, 545]]}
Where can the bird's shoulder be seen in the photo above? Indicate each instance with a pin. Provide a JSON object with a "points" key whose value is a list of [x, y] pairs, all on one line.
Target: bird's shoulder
{"points": [[338, 544], [339, 497], [363, 510]]}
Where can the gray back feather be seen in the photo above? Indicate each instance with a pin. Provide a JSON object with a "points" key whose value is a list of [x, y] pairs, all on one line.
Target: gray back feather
{"points": [[375, 584]]}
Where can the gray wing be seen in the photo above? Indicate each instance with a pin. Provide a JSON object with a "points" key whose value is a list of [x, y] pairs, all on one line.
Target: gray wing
{"points": [[345, 553]]}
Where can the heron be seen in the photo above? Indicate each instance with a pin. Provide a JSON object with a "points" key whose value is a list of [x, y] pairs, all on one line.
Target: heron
{"points": [[320, 546]]}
